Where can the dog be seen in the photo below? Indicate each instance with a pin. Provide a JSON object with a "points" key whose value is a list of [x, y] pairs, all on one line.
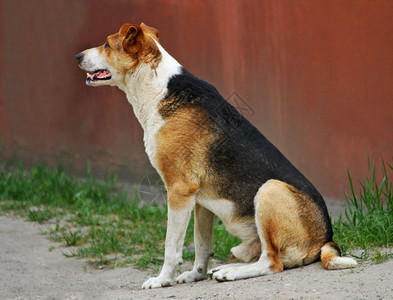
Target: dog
{"points": [[213, 162]]}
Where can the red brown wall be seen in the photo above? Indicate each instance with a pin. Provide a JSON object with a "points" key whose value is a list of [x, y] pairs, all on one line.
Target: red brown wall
{"points": [[314, 76]]}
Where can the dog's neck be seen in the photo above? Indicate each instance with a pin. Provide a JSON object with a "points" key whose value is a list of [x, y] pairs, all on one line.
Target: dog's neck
{"points": [[147, 86]]}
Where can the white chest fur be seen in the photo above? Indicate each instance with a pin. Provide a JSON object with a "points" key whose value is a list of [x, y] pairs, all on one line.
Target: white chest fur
{"points": [[145, 88]]}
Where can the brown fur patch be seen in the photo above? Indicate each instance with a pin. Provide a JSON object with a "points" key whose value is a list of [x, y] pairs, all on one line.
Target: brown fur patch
{"points": [[130, 46], [291, 224], [272, 233], [181, 154], [313, 224]]}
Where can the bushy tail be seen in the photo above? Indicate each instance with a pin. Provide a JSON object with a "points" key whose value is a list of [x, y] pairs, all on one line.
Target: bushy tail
{"points": [[332, 260]]}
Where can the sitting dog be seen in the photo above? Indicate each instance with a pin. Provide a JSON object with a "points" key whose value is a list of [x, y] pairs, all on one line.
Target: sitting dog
{"points": [[213, 161]]}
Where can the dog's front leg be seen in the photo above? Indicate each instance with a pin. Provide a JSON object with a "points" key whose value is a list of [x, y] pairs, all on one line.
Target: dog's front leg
{"points": [[178, 219], [203, 238]]}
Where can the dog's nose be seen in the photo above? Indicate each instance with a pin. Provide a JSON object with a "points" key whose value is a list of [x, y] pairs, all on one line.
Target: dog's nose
{"points": [[79, 57]]}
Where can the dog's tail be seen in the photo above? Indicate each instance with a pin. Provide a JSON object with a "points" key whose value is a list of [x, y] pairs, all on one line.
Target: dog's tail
{"points": [[332, 260]]}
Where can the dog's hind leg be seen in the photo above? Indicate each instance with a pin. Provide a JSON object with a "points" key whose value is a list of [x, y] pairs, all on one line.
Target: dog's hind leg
{"points": [[203, 236], [291, 229], [280, 232]]}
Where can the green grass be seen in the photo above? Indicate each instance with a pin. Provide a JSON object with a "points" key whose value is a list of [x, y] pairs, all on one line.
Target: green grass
{"points": [[40, 215], [368, 221], [96, 219]]}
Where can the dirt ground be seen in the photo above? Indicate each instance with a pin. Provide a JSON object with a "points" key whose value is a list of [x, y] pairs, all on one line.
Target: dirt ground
{"points": [[28, 270]]}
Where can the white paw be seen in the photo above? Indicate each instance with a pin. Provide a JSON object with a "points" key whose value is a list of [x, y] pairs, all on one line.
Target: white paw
{"points": [[219, 268], [241, 272], [226, 274], [190, 276], [211, 272], [156, 282]]}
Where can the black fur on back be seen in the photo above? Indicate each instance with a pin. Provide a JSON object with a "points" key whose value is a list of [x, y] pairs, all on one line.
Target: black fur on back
{"points": [[241, 159]]}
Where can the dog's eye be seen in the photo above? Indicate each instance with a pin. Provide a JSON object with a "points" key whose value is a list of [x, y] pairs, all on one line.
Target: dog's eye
{"points": [[106, 45]]}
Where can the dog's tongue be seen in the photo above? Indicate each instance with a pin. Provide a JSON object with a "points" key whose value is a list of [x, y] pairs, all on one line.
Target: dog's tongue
{"points": [[101, 74]]}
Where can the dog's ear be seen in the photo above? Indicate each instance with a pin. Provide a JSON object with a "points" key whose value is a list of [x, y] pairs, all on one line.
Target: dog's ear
{"points": [[150, 31], [130, 32]]}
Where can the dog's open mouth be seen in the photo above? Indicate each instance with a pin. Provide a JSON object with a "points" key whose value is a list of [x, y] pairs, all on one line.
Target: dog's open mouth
{"points": [[98, 75]]}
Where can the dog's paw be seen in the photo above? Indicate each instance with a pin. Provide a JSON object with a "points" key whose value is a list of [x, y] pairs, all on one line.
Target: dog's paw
{"points": [[157, 282], [190, 276], [226, 274], [219, 268], [212, 271], [242, 272]]}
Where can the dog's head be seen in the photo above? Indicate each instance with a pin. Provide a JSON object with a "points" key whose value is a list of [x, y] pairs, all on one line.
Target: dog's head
{"points": [[121, 54]]}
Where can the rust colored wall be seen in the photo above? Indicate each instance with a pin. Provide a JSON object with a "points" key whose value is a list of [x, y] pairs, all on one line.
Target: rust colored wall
{"points": [[314, 76]]}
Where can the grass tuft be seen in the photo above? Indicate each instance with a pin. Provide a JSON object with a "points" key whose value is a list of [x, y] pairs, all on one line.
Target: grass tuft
{"points": [[368, 220], [39, 215]]}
